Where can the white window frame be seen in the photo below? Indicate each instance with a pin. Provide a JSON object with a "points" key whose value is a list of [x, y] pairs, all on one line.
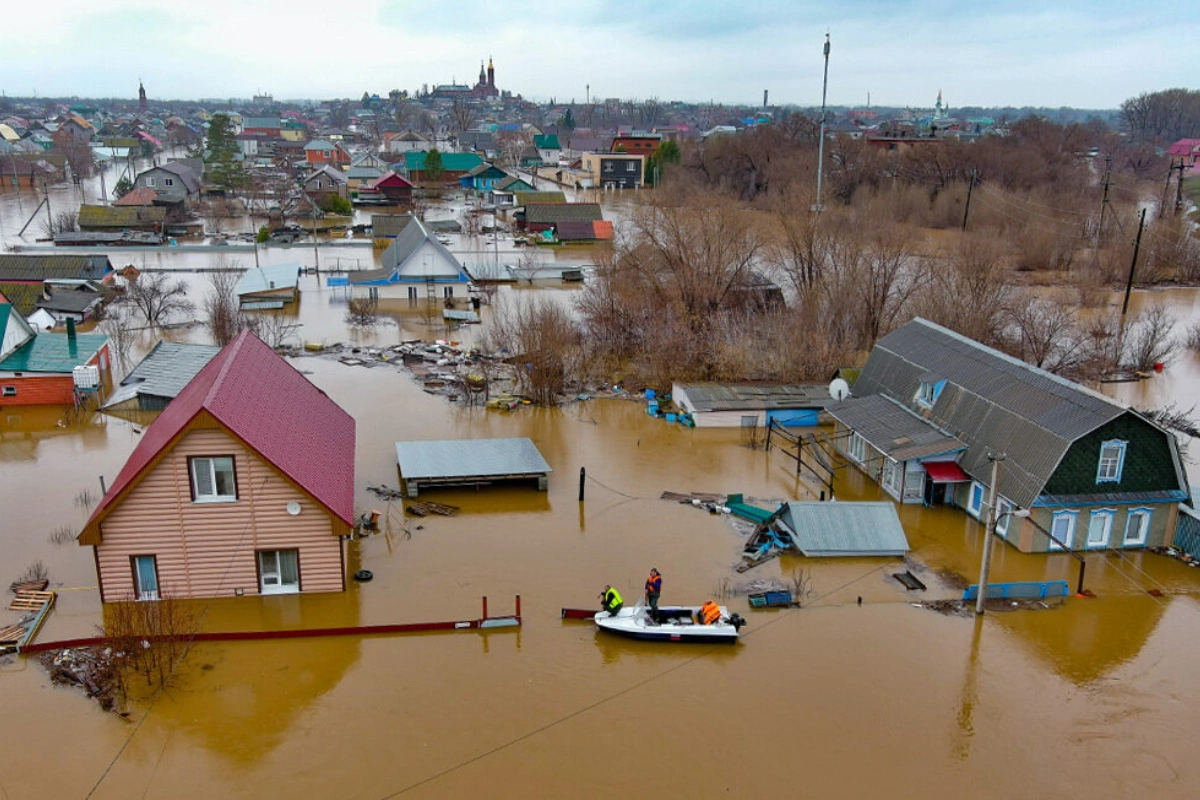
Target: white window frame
{"points": [[1004, 509], [1106, 517], [1144, 514], [1115, 467], [925, 393], [1068, 539], [975, 508], [9, 391], [140, 591], [892, 476], [150, 182], [270, 572], [210, 463], [856, 448]]}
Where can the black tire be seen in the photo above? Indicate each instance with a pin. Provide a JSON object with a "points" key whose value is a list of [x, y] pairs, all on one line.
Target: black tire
{"points": [[363, 575]]}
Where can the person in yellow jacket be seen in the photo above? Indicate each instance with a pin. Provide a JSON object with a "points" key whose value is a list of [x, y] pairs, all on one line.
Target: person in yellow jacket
{"points": [[610, 600], [710, 613]]}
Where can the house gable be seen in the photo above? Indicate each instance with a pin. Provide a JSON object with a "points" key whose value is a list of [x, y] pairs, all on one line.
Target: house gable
{"points": [[1148, 466]]}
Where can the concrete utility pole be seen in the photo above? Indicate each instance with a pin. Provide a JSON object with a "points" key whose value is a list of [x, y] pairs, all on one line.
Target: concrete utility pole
{"points": [[821, 145], [1137, 245], [988, 531], [1179, 189], [970, 188]]}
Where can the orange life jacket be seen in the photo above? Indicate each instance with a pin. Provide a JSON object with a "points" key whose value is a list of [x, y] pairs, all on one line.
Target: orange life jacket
{"points": [[710, 613], [654, 583]]}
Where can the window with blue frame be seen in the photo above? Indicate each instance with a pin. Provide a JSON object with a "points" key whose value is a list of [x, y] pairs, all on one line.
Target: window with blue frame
{"points": [[1136, 526], [1112, 460], [975, 499], [1063, 528], [927, 393]]}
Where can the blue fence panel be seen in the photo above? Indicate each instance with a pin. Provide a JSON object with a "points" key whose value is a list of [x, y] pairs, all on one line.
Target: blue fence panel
{"points": [[1187, 534], [1019, 589]]}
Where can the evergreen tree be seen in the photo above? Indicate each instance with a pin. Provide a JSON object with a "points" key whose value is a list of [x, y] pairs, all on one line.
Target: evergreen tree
{"points": [[433, 166], [221, 153]]}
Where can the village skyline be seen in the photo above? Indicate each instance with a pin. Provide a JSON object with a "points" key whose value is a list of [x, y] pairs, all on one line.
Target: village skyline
{"points": [[898, 53]]}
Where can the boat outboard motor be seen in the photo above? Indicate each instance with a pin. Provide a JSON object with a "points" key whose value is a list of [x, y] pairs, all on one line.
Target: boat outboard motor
{"points": [[736, 620]]}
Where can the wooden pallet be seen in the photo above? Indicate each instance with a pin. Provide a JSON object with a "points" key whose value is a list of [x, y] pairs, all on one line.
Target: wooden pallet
{"points": [[425, 509], [11, 634], [36, 585], [30, 601]]}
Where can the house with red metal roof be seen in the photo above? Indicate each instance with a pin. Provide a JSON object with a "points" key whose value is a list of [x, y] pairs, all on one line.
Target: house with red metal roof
{"points": [[1186, 149], [244, 485]]}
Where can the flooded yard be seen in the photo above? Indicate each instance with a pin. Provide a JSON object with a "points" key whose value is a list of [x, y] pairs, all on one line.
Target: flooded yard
{"points": [[857, 694]]}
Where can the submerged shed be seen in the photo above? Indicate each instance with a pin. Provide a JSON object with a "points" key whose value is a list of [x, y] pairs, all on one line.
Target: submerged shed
{"points": [[470, 462], [269, 286], [845, 529]]}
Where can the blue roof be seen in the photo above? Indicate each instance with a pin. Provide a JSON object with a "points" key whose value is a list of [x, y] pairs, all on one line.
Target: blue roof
{"points": [[269, 277]]}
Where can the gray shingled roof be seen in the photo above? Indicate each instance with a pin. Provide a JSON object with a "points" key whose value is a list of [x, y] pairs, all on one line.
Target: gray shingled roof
{"points": [[164, 371], [551, 213], [750, 396], [39, 268], [892, 429], [469, 458], [846, 529], [993, 402], [388, 225]]}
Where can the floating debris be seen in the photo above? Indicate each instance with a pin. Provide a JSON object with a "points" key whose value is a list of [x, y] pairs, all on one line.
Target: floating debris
{"points": [[426, 508]]}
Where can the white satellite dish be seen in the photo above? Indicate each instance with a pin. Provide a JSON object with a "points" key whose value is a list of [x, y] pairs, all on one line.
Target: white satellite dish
{"points": [[293, 508], [838, 389]]}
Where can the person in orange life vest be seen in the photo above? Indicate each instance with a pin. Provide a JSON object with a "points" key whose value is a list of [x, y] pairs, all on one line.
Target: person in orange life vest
{"points": [[710, 613], [653, 589], [610, 600]]}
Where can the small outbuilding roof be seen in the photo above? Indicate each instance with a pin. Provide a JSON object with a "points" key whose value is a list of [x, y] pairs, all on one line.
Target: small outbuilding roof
{"points": [[846, 529], [753, 396], [892, 429], [470, 458], [164, 372], [269, 278]]}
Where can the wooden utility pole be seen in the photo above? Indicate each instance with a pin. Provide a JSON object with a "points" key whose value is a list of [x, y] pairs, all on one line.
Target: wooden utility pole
{"points": [[1104, 199], [1179, 189], [1162, 207], [1137, 244], [971, 188]]}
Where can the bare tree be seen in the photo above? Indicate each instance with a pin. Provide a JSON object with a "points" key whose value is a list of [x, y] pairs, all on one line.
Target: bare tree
{"points": [[275, 328], [1148, 341], [1045, 333], [121, 337], [159, 297], [462, 115], [62, 222], [362, 312], [546, 342], [970, 291]]}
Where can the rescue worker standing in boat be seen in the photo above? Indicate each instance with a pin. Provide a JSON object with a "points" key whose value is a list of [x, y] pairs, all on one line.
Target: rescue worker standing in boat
{"points": [[653, 590], [610, 600]]}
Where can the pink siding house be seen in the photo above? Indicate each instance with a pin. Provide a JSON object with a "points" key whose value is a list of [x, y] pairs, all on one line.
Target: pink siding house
{"points": [[244, 485]]}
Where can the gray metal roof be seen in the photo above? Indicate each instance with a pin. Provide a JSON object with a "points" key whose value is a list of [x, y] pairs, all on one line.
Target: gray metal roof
{"points": [[893, 429], [846, 529], [993, 402], [269, 277], [388, 225], [469, 458], [750, 396], [164, 372]]}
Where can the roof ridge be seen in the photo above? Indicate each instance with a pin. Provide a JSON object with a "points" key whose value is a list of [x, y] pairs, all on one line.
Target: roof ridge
{"points": [[1025, 365], [215, 389]]}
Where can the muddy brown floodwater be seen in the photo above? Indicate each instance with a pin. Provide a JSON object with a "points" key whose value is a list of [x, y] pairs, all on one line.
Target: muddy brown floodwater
{"points": [[1094, 697]]}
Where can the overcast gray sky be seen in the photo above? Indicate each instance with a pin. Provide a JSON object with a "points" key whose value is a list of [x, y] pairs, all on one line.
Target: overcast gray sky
{"points": [[1008, 52]]}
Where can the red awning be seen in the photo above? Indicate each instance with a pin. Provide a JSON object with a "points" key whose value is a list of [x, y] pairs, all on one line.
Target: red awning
{"points": [[945, 472]]}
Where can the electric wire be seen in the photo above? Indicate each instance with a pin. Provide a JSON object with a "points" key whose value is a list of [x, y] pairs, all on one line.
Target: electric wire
{"points": [[604, 700]]}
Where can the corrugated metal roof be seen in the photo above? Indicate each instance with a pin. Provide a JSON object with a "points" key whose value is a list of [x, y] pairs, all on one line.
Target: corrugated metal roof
{"points": [[551, 213], [165, 371], [993, 402], [750, 396], [389, 225], [269, 277], [893, 429], [54, 352], [846, 529], [125, 216], [271, 407], [40, 268], [469, 458]]}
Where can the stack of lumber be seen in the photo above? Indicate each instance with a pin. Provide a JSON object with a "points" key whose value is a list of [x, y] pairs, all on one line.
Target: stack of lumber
{"points": [[425, 509]]}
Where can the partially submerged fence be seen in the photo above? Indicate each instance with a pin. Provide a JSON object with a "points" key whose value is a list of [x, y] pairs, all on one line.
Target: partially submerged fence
{"points": [[1026, 590]]}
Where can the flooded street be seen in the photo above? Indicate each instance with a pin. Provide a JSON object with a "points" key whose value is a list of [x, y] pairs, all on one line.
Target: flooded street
{"points": [[1096, 697]]}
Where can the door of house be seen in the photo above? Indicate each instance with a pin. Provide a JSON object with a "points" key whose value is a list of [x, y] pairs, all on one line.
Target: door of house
{"points": [[145, 577]]}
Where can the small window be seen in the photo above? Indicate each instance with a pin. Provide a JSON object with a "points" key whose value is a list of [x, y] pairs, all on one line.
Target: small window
{"points": [[168, 181], [145, 577], [1137, 526], [975, 499], [631, 166], [10, 391], [1112, 459], [925, 393], [608, 167], [213, 480], [1004, 511], [279, 571], [150, 182], [1099, 527], [856, 448], [1063, 529], [893, 473]]}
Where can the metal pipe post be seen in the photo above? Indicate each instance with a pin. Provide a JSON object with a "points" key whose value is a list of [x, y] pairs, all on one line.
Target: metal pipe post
{"points": [[821, 144]]}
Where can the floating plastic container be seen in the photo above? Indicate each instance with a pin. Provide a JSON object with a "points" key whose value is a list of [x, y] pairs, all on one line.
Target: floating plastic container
{"points": [[86, 377], [670, 417], [650, 394]]}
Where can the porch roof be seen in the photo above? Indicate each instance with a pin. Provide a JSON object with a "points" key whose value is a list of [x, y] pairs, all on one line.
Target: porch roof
{"points": [[892, 429]]}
